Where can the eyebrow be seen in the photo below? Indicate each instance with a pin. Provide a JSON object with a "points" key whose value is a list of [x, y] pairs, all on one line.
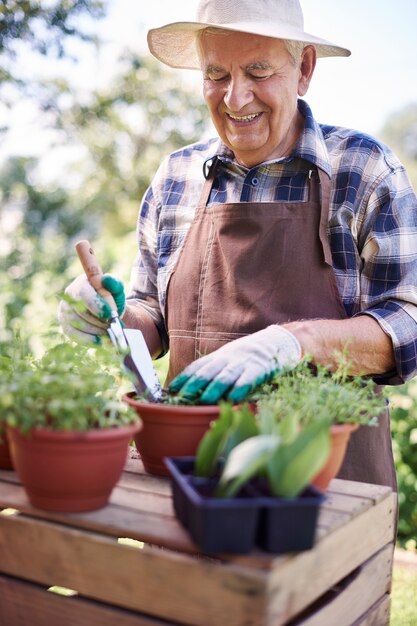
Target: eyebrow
{"points": [[258, 65]]}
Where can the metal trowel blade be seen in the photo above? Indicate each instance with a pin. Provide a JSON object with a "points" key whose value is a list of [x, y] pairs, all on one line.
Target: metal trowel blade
{"points": [[139, 361]]}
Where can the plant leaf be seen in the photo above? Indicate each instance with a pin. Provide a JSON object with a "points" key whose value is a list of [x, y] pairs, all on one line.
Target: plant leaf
{"points": [[293, 465], [243, 426], [247, 459], [212, 444], [233, 426]]}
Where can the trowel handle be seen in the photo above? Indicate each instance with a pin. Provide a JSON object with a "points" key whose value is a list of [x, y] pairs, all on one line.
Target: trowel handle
{"points": [[93, 271]]}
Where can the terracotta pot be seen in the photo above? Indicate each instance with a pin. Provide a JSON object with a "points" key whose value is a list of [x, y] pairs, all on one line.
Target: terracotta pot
{"points": [[5, 458], [169, 430], [70, 471], [340, 435]]}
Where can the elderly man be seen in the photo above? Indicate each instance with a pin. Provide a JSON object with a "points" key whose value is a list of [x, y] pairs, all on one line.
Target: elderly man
{"points": [[278, 238]]}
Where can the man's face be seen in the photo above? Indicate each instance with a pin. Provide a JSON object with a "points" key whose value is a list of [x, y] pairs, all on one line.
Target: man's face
{"points": [[251, 86]]}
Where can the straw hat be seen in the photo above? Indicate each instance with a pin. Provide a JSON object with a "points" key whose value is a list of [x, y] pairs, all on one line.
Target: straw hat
{"points": [[175, 44]]}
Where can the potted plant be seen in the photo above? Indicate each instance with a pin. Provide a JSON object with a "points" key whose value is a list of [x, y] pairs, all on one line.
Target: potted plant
{"points": [[249, 484], [310, 394], [67, 429], [12, 355], [172, 427], [5, 456], [274, 455]]}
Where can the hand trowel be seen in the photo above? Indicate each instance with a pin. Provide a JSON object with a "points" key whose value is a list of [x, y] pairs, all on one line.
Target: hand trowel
{"points": [[130, 343]]}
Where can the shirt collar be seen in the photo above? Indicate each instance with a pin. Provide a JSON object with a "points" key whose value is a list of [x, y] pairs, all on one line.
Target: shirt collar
{"points": [[310, 146]]}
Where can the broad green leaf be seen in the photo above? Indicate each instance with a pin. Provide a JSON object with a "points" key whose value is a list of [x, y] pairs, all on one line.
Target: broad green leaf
{"points": [[292, 466], [247, 459], [243, 426], [212, 444], [233, 426]]}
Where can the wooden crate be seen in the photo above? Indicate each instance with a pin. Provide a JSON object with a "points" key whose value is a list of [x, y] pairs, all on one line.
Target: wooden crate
{"points": [[161, 579]]}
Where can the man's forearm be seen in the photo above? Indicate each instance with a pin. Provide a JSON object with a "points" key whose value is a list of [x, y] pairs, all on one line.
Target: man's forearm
{"points": [[361, 339], [136, 317]]}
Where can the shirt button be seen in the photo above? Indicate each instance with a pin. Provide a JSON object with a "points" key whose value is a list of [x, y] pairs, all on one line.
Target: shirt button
{"points": [[255, 181]]}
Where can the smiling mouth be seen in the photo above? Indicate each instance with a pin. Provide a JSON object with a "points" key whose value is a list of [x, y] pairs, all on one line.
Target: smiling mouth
{"points": [[243, 118]]}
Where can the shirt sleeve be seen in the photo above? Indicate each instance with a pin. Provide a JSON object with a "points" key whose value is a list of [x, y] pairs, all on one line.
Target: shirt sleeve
{"points": [[143, 286], [388, 280]]}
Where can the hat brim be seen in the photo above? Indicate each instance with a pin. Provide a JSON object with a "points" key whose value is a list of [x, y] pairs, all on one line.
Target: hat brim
{"points": [[175, 44]]}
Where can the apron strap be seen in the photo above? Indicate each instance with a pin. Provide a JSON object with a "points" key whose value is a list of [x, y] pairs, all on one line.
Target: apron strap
{"points": [[324, 217]]}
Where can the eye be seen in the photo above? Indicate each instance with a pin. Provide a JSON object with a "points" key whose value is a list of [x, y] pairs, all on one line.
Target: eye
{"points": [[260, 76], [217, 78]]}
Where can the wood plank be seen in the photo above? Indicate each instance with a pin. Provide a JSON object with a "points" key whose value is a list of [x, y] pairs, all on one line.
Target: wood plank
{"points": [[137, 499], [128, 516], [113, 520], [26, 604], [347, 602], [134, 462], [377, 615], [353, 488], [294, 583], [338, 509], [347, 503], [146, 482], [99, 568]]}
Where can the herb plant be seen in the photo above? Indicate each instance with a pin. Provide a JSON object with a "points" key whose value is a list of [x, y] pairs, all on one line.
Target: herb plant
{"points": [[314, 394], [71, 387], [286, 440]]}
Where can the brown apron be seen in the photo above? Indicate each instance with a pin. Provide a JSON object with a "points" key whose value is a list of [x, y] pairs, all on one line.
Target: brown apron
{"points": [[246, 265]]}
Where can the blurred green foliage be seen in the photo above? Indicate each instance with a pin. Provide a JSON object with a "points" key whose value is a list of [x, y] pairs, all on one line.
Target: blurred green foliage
{"points": [[121, 135], [44, 26], [404, 432]]}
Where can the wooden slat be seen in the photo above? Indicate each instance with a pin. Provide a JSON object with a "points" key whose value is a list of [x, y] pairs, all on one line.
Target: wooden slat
{"points": [[135, 499], [26, 604], [338, 509], [112, 520], [127, 513], [146, 483], [157, 582], [344, 503], [362, 490], [295, 584], [377, 615], [347, 603]]}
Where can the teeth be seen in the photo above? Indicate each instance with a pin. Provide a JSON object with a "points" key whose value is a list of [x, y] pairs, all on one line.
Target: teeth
{"points": [[243, 118]]}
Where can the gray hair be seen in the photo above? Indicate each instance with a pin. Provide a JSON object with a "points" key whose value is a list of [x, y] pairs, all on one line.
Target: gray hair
{"points": [[295, 50]]}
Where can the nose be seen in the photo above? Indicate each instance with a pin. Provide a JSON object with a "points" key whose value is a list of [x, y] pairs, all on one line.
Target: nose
{"points": [[238, 94]]}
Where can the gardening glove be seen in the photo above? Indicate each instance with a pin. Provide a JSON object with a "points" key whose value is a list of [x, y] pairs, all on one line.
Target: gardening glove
{"points": [[85, 316], [236, 368]]}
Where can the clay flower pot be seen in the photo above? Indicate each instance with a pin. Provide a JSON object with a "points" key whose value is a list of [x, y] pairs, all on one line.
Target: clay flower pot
{"points": [[70, 471], [339, 435], [5, 457], [169, 430]]}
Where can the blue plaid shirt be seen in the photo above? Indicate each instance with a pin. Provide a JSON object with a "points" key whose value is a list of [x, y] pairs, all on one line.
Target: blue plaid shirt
{"points": [[372, 223]]}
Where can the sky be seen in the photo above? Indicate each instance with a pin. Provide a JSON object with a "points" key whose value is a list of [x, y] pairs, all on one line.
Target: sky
{"points": [[361, 91]]}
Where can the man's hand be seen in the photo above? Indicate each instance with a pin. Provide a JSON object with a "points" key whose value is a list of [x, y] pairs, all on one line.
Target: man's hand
{"points": [[236, 368], [85, 316]]}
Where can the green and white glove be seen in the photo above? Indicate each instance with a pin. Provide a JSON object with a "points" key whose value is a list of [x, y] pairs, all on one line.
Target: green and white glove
{"points": [[86, 316], [236, 368]]}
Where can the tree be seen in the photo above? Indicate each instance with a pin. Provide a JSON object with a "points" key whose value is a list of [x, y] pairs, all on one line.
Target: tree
{"points": [[121, 134], [44, 28], [31, 30]]}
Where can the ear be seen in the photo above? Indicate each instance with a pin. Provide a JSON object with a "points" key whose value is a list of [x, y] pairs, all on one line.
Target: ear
{"points": [[307, 65]]}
